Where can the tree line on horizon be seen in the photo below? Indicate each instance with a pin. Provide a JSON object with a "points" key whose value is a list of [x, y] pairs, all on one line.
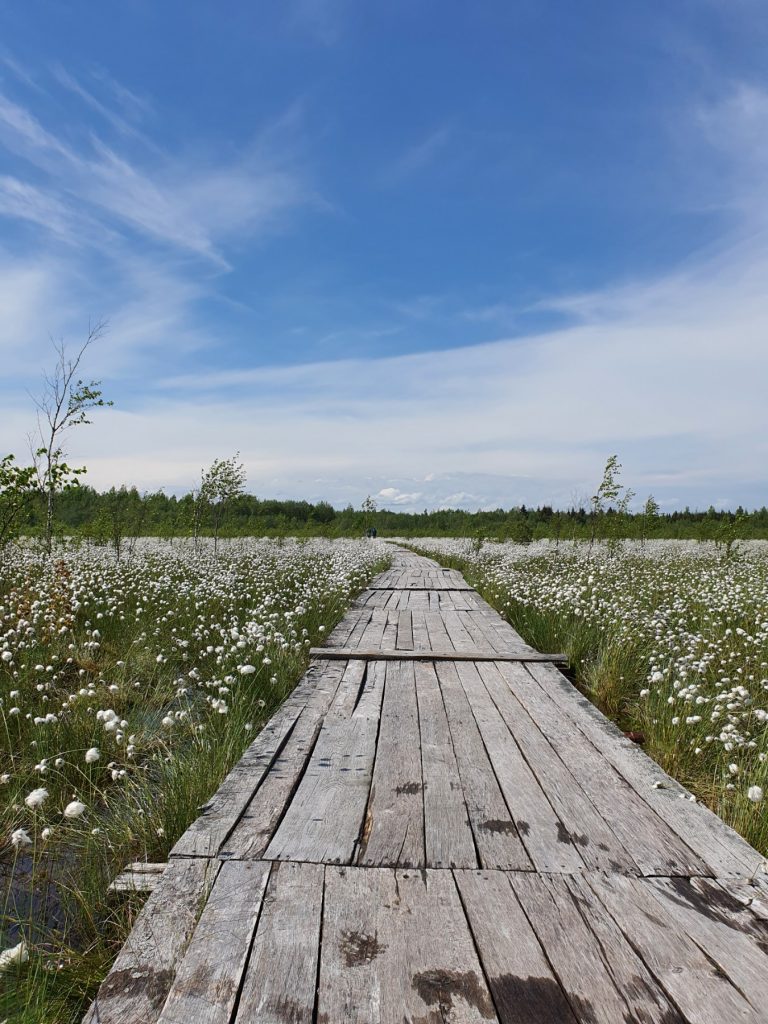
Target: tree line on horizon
{"points": [[119, 514]]}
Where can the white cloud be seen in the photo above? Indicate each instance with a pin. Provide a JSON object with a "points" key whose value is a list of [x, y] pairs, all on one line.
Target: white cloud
{"points": [[194, 204]]}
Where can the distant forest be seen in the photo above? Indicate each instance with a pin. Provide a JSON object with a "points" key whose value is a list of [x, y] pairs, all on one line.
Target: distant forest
{"points": [[116, 515]]}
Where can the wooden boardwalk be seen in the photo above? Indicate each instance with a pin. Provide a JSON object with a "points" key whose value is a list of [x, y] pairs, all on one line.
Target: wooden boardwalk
{"points": [[418, 840]]}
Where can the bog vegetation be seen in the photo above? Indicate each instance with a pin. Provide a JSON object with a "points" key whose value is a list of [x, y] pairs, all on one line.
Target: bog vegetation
{"points": [[128, 689]]}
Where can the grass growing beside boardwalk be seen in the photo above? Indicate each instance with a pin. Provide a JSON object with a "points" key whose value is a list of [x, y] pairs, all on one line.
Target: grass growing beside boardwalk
{"points": [[127, 692], [669, 640]]}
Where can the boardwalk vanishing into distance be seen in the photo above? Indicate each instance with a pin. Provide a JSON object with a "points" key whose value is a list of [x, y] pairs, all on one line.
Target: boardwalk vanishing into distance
{"points": [[437, 827]]}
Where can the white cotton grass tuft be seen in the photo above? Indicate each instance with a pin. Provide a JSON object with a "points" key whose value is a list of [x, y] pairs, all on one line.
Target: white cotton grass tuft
{"points": [[74, 809], [92, 755], [20, 838], [36, 798], [755, 794], [246, 670], [14, 955]]}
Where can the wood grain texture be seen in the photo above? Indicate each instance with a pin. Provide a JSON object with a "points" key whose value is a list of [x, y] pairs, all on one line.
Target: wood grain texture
{"points": [[394, 824], [655, 848], [722, 849], [447, 833], [586, 968], [436, 653], [524, 988], [136, 988], [396, 947], [546, 839], [580, 823], [280, 983], [698, 987], [324, 820], [208, 978], [496, 838]]}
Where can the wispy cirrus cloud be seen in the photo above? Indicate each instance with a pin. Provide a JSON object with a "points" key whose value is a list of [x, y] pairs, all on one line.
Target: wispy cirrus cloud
{"points": [[195, 206]]}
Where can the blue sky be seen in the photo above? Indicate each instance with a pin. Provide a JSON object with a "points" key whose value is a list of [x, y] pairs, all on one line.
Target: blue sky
{"points": [[447, 254]]}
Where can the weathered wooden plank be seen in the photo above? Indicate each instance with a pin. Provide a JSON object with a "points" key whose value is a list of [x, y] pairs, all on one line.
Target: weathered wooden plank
{"points": [[360, 627], [421, 640], [492, 633], [281, 979], [136, 988], [140, 876], [656, 849], [431, 585], [394, 823], [722, 849], [396, 947], [418, 599], [482, 637], [389, 637], [583, 965], [438, 634], [404, 639], [725, 930], [524, 989], [698, 988], [208, 978], [579, 820], [543, 834], [438, 654], [460, 638], [749, 895], [447, 832], [371, 637], [219, 816], [340, 634], [257, 825], [644, 995], [496, 838], [324, 819]]}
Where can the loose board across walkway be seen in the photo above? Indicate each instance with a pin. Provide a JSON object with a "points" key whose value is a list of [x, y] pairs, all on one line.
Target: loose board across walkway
{"points": [[421, 840]]}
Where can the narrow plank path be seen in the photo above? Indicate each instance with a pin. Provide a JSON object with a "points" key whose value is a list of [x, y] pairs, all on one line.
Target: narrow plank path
{"points": [[416, 840]]}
